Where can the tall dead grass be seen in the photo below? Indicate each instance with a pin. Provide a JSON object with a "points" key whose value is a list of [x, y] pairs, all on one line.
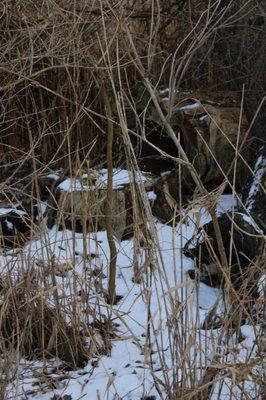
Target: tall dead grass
{"points": [[56, 57]]}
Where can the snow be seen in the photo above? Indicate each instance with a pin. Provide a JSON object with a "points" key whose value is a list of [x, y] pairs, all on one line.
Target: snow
{"points": [[203, 117], [191, 106], [244, 354], [72, 184], [226, 202], [151, 195], [258, 171], [166, 173], [9, 224], [167, 91], [42, 207], [164, 91], [250, 221], [52, 176], [121, 177], [127, 374], [4, 211]]}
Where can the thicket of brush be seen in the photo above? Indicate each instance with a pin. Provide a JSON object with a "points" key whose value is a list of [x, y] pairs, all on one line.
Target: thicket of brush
{"points": [[73, 74], [56, 57]]}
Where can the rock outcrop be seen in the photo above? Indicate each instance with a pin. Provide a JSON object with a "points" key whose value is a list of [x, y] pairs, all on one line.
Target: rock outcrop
{"points": [[209, 125], [81, 204], [242, 242]]}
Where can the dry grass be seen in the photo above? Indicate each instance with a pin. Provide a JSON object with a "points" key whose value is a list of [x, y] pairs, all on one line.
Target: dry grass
{"points": [[56, 57]]}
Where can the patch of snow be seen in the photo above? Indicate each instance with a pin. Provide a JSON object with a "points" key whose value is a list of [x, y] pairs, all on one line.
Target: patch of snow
{"points": [[121, 177], [208, 296], [164, 91], [167, 91], [72, 185], [227, 389], [166, 173], [262, 286], [250, 221], [4, 211], [52, 176], [151, 195], [9, 224], [258, 171], [196, 240], [191, 106], [243, 357], [75, 184], [203, 117], [226, 202], [126, 367], [42, 207]]}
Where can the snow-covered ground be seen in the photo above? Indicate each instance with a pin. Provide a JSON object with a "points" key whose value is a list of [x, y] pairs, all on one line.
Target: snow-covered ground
{"points": [[159, 336]]}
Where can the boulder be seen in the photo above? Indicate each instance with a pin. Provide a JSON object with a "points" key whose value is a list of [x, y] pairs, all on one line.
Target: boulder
{"points": [[81, 203], [208, 126], [166, 204], [150, 159], [15, 227], [46, 183], [86, 210], [246, 245]]}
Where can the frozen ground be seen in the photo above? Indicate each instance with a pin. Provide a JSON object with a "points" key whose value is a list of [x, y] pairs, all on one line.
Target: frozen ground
{"points": [[142, 351]]}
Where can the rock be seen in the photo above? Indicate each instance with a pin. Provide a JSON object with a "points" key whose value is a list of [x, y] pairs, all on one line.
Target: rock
{"points": [[81, 205], [149, 158], [15, 227], [148, 398], [245, 251], [166, 204], [162, 209], [209, 130], [86, 210], [208, 127], [46, 184]]}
